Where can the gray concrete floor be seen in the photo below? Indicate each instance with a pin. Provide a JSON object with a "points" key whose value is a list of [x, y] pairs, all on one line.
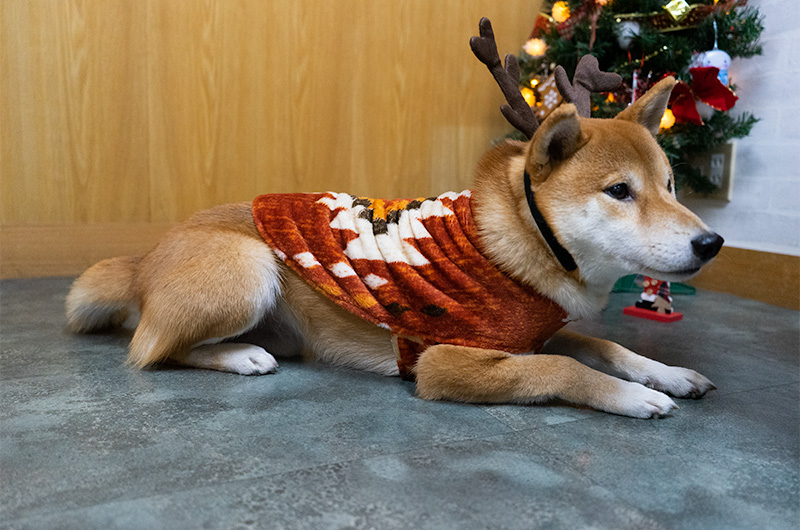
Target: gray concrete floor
{"points": [[86, 442]]}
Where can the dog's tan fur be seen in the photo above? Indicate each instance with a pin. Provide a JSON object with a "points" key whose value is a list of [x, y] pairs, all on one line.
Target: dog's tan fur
{"points": [[214, 278]]}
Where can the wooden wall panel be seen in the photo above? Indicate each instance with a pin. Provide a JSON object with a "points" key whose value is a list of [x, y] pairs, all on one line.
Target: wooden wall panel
{"points": [[73, 112], [763, 276], [144, 111], [68, 250]]}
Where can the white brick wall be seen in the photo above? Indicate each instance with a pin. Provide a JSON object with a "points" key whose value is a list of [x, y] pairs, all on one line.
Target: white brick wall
{"points": [[764, 213]]}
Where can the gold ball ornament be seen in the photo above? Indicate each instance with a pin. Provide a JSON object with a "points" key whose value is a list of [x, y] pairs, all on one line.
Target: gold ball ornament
{"points": [[626, 31]]}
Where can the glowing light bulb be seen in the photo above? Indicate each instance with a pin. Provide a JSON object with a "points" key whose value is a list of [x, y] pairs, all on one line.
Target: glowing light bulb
{"points": [[560, 11], [535, 47], [528, 95], [667, 120]]}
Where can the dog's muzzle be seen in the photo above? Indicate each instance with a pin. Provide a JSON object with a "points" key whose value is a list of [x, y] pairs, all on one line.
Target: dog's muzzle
{"points": [[707, 245]]}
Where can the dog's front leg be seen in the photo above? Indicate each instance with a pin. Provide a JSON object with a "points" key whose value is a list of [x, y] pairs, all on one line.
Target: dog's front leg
{"points": [[476, 375], [610, 356]]}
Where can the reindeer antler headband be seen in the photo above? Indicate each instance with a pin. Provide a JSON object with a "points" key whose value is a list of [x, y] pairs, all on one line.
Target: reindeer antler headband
{"points": [[519, 113], [588, 78]]}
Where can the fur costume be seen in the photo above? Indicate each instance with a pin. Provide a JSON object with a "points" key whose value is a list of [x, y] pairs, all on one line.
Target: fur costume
{"points": [[412, 267]]}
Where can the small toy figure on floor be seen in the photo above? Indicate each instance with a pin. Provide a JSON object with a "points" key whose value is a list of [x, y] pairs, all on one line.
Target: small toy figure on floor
{"points": [[655, 302]]}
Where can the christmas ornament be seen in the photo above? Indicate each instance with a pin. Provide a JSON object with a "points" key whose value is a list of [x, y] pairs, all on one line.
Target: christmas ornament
{"points": [[716, 58], [664, 21], [626, 30], [549, 96], [639, 85], [705, 87], [678, 9], [677, 15]]}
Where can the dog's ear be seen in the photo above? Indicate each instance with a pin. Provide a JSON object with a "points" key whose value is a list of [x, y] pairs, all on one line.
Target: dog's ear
{"points": [[555, 140], [648, 109]]}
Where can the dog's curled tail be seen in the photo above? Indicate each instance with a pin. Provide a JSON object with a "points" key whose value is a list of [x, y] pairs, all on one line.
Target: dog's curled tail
{"points": [[103, 296]]}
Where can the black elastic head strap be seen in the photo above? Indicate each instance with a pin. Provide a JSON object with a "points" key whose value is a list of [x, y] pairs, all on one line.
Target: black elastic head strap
{"points": [[564, 257]]}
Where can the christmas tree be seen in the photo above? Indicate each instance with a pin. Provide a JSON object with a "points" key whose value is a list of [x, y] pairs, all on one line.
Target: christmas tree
{"points": [[644, 41]]}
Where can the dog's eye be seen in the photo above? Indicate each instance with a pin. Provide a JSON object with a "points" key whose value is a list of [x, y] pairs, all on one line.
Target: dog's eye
{"points": [[619, 191]]}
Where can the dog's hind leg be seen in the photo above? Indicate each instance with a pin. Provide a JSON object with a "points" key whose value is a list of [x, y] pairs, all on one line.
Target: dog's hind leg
{"points": [[209, 280], [476, 375], [611, 357]]}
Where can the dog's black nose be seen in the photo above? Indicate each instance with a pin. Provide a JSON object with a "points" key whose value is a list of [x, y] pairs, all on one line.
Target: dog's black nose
{"points": [[707, 246]]}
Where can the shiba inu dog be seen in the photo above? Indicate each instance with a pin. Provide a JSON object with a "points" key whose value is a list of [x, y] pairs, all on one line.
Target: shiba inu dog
{"points": [[466, 292]]}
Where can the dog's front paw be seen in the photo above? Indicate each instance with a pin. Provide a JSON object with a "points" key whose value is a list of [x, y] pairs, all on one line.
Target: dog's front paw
{"points": [[679, 382], [637, 401]]}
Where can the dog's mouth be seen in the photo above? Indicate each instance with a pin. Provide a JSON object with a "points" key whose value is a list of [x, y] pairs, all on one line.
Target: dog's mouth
{"points": [[682, 274]]}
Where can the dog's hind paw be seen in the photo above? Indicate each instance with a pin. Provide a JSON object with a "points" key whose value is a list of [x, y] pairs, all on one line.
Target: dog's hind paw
{"points": [[679, 382], [238, 358]]}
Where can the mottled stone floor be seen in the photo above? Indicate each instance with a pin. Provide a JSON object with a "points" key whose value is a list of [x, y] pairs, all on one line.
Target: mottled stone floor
{"points": [[86, 442]]}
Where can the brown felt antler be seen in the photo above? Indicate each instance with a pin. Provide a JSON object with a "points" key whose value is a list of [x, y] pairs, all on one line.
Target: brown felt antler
{"points": [[588, 78], [517, 112]]}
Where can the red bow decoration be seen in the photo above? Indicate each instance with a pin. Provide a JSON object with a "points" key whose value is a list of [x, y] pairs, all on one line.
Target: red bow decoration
{"points": [[707, 88]]}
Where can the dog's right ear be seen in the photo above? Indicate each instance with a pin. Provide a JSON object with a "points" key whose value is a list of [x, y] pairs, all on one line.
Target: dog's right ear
{"points": [[556, 139], [648, 109]]}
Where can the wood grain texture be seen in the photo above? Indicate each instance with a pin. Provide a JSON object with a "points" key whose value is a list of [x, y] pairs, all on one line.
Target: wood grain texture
{"points": [[73, 111], [145, 111], [763, 276], [68, 250]]}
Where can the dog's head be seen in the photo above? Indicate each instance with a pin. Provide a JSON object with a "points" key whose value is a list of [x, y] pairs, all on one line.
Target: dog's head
{"points": [[601, 191], [607, 191]]}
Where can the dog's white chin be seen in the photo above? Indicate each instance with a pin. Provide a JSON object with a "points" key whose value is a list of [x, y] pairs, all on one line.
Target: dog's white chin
{"points": [[675, 275]]}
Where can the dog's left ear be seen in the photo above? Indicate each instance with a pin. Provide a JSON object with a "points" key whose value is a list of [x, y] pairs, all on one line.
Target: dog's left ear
{"points": [[555, 140], [648, 109]]}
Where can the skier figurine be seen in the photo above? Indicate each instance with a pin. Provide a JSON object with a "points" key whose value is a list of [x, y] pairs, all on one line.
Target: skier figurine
{"points": [[655, 302]]}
